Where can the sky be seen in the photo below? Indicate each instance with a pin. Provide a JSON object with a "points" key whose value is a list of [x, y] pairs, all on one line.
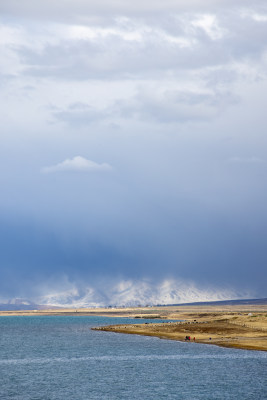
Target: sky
{"points": [[133, 150]]}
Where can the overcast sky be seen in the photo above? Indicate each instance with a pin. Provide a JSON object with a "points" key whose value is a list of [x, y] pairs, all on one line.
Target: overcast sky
{"points": [[133, 143]]}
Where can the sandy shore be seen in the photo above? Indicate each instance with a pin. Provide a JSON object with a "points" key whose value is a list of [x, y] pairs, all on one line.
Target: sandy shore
{"points": [[229, 326], [239, 326], [163, 312], [134, 312]]}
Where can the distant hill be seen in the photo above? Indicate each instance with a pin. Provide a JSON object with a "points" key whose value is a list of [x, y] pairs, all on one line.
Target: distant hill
{"points": [[19, 305], [225, 302]]}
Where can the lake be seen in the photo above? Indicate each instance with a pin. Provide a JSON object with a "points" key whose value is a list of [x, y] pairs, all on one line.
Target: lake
{"points": [[61, 358]]}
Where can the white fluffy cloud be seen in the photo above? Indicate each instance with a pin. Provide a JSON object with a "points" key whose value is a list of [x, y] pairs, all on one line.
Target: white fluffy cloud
{"points": [[77, 164]]}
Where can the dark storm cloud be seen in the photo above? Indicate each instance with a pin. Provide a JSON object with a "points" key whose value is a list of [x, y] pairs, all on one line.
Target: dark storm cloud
{"points": [[197, 242]]}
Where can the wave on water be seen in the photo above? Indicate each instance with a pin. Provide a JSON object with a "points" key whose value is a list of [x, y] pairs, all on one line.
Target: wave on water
{"points": [[113, 358]]}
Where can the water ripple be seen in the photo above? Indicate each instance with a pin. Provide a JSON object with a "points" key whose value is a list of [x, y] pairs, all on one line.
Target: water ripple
{"points": [[127, 358]]}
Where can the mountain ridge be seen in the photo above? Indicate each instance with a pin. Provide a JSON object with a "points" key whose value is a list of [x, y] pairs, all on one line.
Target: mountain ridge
{"points": [[32, 306]]}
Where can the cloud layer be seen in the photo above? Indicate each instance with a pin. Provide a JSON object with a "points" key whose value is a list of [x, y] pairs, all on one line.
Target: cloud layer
{"points": [[170, 98]]}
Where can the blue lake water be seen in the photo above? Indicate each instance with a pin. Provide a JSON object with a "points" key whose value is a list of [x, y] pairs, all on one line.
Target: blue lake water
{"points": [[45, 358]]}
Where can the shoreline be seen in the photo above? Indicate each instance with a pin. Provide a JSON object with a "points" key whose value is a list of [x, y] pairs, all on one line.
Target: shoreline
{"points": [[157, 312], [234, 326], [169, 331]]}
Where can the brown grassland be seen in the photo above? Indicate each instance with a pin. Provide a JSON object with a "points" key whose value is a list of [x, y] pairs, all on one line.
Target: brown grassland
{"points": [[240, 327]]}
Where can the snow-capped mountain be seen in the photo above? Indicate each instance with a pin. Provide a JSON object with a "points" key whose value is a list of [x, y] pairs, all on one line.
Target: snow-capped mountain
{"points": [[132, 293]]}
